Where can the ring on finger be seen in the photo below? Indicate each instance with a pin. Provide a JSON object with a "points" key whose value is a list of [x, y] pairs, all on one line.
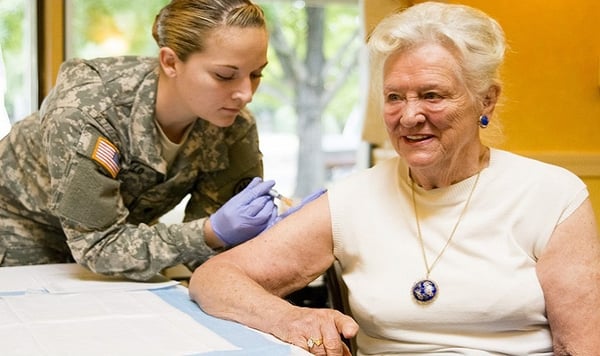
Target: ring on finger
{"points": [[313, 341]]}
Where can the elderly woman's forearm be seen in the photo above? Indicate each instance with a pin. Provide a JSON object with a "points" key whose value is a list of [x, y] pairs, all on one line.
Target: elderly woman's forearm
{"points": [[225, 291]]}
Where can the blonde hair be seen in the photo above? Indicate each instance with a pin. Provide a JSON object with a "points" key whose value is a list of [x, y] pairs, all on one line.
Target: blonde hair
{"points": [[183, 25]]}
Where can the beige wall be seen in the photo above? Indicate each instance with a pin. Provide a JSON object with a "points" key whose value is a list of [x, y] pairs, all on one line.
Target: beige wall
{"points": [[551, 97]]}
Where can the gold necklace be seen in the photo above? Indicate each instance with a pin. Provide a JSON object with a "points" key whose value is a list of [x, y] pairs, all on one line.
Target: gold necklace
{"points": [[425, 290]]}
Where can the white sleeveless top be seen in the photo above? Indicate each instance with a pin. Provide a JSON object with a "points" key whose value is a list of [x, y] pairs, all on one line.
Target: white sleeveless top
{"points": [[489, 299]]}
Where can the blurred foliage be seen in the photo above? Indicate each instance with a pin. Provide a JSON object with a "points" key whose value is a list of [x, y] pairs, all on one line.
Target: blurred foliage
{"points": [[273, 103], [16, 43], [114, 27], [12, 14], [111, 27]]}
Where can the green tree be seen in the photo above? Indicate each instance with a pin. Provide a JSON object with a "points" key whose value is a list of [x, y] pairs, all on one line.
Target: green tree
{"points": [[317, 51], [13, 42], [97, 25]]}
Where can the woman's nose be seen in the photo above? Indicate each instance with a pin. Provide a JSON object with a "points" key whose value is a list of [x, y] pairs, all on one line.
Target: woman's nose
{"points": [[244, 91], [412, 114]]}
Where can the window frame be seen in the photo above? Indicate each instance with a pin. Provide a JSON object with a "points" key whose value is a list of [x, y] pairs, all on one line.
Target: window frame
{"points": [[50, 43]]}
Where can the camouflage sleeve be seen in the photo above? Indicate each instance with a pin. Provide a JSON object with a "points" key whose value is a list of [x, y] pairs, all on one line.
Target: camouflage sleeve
{"points": [[245, 163], [93, 216]]}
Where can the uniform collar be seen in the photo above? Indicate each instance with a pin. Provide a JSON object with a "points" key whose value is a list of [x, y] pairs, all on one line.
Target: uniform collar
{"points": [[205, 147]]}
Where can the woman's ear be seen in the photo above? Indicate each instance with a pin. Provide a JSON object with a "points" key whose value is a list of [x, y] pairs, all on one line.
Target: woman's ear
{"points": [[491, 98], [168, 61]]}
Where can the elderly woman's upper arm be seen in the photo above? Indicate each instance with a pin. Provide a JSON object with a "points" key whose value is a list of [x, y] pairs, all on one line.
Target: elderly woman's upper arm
{"points": [[290, 254], [569, 273]]}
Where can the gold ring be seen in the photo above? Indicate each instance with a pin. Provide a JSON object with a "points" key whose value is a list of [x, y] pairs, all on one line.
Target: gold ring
{"points": [[311, 342]]}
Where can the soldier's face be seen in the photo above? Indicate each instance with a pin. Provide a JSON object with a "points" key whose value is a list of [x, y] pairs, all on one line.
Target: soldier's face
{"points": [[217, 83]]}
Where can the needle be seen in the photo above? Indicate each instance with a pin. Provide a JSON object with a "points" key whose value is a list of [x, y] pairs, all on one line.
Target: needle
{"points": [[275, 194]]}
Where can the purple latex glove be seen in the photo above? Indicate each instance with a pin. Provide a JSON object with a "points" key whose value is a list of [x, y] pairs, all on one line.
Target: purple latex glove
{"points": [[295, 208], [246, 214]]}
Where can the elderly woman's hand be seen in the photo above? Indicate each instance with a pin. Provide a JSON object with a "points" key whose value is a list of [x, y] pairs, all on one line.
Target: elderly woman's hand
{"points": [[317, 330]]}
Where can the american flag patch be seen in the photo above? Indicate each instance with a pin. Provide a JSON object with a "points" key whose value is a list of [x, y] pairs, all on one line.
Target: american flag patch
{"points": [[107, 155]]}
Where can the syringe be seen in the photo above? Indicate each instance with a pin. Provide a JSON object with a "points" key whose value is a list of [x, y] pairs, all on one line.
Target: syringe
{"points": [[275, 194]]}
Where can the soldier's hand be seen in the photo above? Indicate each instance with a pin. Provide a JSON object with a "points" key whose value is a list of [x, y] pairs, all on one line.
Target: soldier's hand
{"points": [[246, 214]]}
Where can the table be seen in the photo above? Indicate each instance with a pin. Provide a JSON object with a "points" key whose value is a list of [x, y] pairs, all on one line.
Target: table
{"points": [[64, 309]]}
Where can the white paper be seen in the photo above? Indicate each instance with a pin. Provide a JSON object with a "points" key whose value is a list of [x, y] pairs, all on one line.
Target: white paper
{"points": [[107, 323], [69, 278], [64, 309], [294, 350], [17, 279]]}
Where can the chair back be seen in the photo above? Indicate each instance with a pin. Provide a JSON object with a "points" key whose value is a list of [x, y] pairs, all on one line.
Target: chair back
{"points": [[338, 296]]}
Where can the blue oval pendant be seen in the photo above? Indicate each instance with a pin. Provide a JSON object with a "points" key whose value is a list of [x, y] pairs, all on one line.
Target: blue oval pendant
{"points": [[424, 291]]}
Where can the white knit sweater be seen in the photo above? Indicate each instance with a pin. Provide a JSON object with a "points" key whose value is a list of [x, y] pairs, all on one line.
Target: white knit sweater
{"points": [[489, 299]]}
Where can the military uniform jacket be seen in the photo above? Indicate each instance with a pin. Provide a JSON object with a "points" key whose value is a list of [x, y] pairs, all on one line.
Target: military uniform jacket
{"points": [[88, 167]]}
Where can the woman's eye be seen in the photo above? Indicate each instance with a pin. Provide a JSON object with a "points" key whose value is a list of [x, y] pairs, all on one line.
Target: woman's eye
{"points": [[393, 97], [256, 75], [432, 96], [224, 77]]}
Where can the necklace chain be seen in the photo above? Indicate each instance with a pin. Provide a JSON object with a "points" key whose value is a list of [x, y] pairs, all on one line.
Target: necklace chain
{"points": [[427, 266]]}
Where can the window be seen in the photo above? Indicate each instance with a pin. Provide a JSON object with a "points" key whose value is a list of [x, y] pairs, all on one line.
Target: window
{"points": [[18, 51], [102, 28], [291, 132], [311, 98]]}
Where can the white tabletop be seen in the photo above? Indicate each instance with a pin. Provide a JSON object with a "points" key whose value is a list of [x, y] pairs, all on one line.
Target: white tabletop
{"points": [[66, 310]]}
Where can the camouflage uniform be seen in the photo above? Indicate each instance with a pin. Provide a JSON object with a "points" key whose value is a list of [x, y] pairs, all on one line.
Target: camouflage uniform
{"points": [[61, 200]]}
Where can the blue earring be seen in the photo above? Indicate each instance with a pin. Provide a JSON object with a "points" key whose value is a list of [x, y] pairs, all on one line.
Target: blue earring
{"points": [[483, 121]]}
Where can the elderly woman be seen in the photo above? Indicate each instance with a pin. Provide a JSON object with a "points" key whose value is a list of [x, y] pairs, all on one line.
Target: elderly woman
{"points": [[452, 247]]}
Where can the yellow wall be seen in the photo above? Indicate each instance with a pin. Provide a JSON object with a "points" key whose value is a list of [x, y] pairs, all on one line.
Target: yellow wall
{"points": [[551, 107]]}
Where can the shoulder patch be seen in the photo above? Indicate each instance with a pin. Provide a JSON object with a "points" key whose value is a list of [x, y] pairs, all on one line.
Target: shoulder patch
{"points": [[241, 184], [107, 155]]}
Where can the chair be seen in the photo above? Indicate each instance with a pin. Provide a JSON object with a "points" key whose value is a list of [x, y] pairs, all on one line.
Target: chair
{"points": [[338, 296]]}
